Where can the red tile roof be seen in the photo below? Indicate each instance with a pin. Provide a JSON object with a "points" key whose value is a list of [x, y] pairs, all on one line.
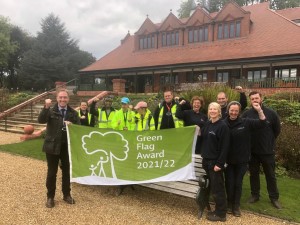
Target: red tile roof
{"points": [[290, 13], [271, 35]]}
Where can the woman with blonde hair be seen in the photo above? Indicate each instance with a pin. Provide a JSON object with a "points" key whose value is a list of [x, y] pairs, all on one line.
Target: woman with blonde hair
{"points": [[214, 144]]}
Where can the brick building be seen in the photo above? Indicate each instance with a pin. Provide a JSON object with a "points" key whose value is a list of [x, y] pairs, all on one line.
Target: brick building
{"points": [[252, 46]]}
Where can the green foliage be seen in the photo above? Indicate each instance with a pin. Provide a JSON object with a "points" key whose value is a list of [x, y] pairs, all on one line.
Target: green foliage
{"points": [[17, 98], [288, 148], [54, 56], [185, 8], [287, 110], [209, 92], [289, 198]]}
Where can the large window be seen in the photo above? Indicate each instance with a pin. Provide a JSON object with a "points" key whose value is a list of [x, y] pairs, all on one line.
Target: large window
{"points": [[193, 77], [147, 41], [256, 75], [222, 76], [286, 73], [229, 30], [166, 79], [199, 34], [170, 38]]}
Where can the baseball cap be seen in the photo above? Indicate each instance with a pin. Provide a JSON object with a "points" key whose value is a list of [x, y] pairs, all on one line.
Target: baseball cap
{"points": [[141, 105], [125, 100]]}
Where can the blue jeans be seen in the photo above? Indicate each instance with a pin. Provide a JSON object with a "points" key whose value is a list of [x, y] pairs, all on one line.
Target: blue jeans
{"points": [[234, 174]]}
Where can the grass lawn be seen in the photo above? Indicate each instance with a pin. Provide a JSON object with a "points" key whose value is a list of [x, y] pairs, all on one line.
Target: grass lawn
{"points": [[288, 187]]}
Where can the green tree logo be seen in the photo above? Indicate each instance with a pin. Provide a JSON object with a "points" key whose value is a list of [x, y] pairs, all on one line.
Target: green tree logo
{"points": [[113, 147]]}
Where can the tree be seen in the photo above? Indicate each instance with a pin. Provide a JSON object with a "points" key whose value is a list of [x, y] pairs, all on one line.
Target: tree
{"points": [[24, 42], [54, 56], [185, 8], [6, 47]]}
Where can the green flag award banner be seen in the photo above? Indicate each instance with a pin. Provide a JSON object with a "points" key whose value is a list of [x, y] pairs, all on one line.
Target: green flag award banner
{"points": [[110, 157]]}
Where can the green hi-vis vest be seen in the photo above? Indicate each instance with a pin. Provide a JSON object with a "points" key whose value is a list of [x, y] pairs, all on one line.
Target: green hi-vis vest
{"points": [[89, 116], [177, 122], [147, 123], [126, 120], [103, 120]]}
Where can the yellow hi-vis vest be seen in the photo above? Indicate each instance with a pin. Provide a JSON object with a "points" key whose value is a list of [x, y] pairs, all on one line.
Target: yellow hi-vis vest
{"points": [[126, 120], [147, 123], [103, 121], [89, 116], [177, 122]]}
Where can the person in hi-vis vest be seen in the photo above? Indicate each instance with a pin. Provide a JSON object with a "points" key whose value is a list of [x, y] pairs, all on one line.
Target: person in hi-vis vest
{"points": [[164, 115], [124, 118], [105, 114], [86, 118], [143, 118]]}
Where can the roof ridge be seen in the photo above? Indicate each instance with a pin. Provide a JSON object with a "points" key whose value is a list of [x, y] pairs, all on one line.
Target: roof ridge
{"points": [[278, 14]]}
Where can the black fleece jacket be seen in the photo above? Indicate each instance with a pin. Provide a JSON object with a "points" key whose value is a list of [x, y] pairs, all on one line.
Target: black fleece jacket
{"points": [[240, 138], [214, 142], [263, 140]]}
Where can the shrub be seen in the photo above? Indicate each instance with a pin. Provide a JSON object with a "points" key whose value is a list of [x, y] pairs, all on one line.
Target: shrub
{"points": [[288, 148]]}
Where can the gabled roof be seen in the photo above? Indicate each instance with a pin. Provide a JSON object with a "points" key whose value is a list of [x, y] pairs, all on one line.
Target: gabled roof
{"points": [[147, 27], [271, 35], [291, 13], [171, 22], [199, 17]]}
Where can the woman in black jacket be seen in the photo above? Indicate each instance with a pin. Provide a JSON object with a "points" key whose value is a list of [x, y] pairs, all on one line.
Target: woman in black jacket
{"points": [[193, 116], [239, 151], [214, 144]]}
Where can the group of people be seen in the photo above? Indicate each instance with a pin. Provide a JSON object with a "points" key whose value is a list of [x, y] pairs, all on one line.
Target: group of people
{"points": [[229, 141]]}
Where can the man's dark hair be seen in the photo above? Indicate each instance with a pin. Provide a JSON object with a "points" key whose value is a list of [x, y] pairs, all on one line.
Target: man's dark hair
{"points": [[254, 93]]}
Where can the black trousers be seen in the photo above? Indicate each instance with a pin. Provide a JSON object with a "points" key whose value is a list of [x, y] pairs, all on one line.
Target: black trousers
{"points": [[52, 163], [234, 174], [268, 165], [217, 188]]}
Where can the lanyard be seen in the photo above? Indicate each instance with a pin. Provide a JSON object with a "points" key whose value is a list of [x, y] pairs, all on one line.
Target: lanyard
{"points": [[125, 117]]}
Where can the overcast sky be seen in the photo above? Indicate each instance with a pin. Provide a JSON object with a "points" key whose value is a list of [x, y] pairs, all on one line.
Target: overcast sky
{"points": [[98, 25]]}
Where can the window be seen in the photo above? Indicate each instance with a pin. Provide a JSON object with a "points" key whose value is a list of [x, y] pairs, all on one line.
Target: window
{"points": [[222, 76], [229, 30], [286, 73], [238, 29], [170, 38], [169, 79], [255, 75], [220, 31], [198, 34], [202, 77], [147, 42]]}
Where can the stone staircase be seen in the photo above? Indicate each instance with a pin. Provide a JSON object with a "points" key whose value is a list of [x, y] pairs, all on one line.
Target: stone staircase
{"points": [[29, 115]]}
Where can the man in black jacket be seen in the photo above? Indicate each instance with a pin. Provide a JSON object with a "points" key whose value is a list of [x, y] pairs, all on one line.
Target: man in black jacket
{"points": [[222, 99], [263, 151], [56, 145]]}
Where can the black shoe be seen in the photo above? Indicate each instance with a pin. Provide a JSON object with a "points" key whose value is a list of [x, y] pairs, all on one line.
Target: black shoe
{"points": [[213, 217], [50, 203], [68, 199], [236, 212], [229, 208], [253, 199], [276, 204]]}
